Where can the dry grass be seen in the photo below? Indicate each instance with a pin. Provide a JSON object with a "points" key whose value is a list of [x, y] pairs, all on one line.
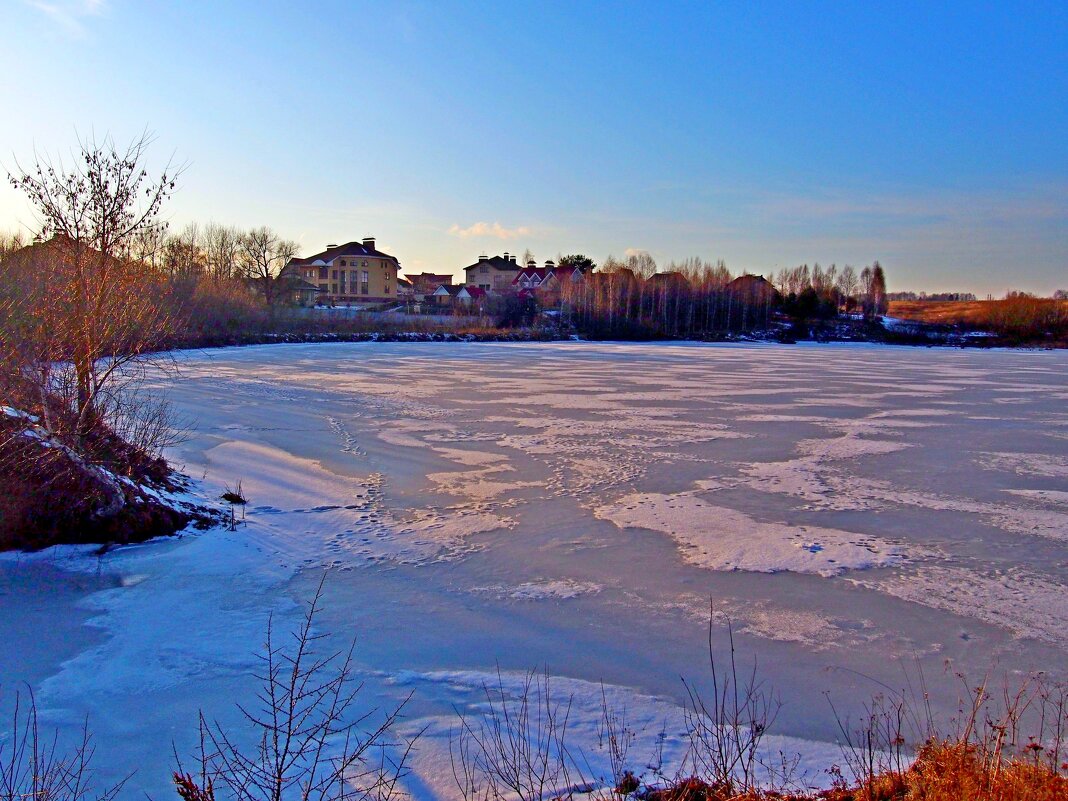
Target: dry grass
{"points": [[1017, 319], [943, 771], [973, 312], [941, 312]]}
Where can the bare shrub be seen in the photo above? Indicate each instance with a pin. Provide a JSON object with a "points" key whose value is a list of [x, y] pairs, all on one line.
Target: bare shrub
{"points": [[33, 766], [310, 743], [726, 725], [517, 748]]}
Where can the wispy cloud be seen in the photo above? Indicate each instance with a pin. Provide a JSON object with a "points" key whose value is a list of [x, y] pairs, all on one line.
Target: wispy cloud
{"points": [[635, 252], [70, 15], [489, 231]]}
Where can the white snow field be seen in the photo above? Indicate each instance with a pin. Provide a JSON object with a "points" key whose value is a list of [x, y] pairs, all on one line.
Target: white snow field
{"points": [[861, 514]]}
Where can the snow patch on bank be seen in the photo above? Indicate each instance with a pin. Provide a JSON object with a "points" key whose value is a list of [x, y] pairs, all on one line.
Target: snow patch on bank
{"points": [[656, 727]]}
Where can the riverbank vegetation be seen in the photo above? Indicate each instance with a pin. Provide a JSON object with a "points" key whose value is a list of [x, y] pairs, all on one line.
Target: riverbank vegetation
{"points": [[1017, 319], [308, 733]]}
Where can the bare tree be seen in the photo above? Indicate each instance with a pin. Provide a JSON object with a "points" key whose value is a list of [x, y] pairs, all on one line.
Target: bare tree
{"points": [[92, 301], [222, 250], [847, 285], [183, 256], [263, 255]]}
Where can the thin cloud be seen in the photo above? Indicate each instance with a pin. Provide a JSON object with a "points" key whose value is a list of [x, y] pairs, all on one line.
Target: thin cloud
{"points": [[487, 230], [635, 252], [69, 15]]}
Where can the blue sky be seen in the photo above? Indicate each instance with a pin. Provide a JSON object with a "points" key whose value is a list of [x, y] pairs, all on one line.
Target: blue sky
{"points": [[932, 137]]}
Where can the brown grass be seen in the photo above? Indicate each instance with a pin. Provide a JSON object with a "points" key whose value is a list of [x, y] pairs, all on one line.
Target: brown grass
{"points": [[943, 771], [1018, 319], [968, 312], [940, 312]]}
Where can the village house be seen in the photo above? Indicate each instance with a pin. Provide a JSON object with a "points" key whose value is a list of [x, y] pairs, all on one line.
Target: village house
{"points": [[456, 295], [355, 272], [425, 283], [493, 274], [754, 289], [534, 277]]}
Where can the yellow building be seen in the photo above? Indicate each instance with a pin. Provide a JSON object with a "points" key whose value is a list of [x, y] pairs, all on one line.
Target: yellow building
{"points": [[351, 273]]}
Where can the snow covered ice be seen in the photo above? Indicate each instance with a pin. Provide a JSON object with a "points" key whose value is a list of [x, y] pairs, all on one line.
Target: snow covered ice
{"points": [[855, 511]]}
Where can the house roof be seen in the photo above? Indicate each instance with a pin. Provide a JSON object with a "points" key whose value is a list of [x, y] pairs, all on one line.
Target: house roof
{"points": [[348, 249], [669, 277], [750, 279], [567, 270], [530, 272], [497, 262]]}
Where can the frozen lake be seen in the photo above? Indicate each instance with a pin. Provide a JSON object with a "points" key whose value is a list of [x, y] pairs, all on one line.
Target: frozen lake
{"points": [[858, 512]]}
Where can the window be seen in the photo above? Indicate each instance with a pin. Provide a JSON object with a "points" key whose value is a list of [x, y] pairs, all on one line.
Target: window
{"points": [[322, 273], [364, 289], [333, 289], [387, 289], [342, 262], [334, 276], [484, 268]]}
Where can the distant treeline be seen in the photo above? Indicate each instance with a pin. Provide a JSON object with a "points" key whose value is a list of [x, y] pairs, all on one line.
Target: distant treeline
{"points": [[932, 296], [632, 298]]}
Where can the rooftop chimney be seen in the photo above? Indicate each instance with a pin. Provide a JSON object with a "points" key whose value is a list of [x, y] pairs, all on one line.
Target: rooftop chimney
{"points": [[532, 265], [506, 256], [369, 242], [483, 257], [512, 260], [331, 245], [549, 264]]}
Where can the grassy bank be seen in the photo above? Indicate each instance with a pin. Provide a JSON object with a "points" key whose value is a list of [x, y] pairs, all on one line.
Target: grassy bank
{"points": [[1015, 321]]}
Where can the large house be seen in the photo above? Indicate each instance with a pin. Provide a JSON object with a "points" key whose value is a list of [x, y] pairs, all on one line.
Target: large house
{"points": [[492, 273], [351, 273]]}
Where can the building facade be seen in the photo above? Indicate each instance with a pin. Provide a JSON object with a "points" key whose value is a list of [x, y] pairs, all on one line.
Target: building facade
{"points": [[492, 273], [355, 272]]}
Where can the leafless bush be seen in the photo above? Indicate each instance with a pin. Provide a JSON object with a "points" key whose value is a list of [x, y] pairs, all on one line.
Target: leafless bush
{"points": [[33, 766], [517, 749], [726, 725], [138, 416], [310, 743], [1027, 719], [875, 745]]}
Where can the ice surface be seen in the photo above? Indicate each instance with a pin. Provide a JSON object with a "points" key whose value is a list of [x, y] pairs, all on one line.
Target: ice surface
{"points": [[580, 506]]}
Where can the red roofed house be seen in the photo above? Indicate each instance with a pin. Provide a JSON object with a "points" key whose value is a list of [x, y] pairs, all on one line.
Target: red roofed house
{"points": [[546, 282]]}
